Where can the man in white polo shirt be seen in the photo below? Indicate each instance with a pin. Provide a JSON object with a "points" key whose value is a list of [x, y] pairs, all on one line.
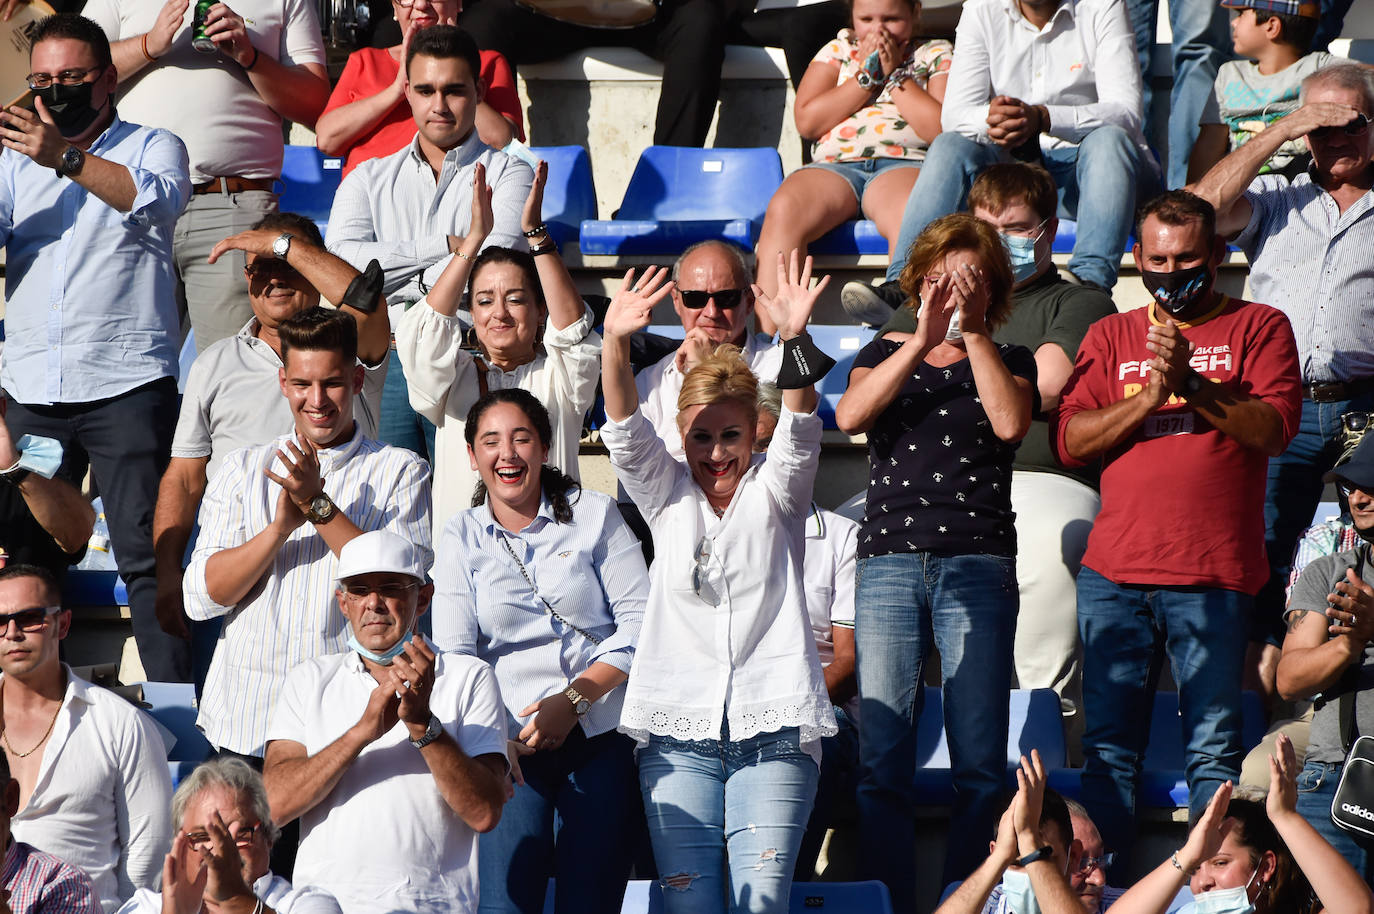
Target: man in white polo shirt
{"points": [[393, 757]]}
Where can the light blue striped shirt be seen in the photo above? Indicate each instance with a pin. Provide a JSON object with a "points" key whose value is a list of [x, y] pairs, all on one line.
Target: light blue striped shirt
{"points": [[1315, 264], [91, 308], [591, 571], [290, 615]]}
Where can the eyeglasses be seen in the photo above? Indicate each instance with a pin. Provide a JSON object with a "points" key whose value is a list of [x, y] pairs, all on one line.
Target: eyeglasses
{"points": [[700, 583], [65, 78], [28, 620], [389, 591], [267, 270], [725, 298], [1347, 490], [1356, 421], [1025, 232], [247, 834], [407, 4], [1356, 127], [1088, 864]]}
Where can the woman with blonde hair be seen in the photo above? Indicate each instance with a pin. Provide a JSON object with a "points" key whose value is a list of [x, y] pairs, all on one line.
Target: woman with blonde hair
{"points": [[943, 409], [726, 697]]}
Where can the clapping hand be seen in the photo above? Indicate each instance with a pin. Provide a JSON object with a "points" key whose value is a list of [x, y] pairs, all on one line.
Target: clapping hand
{"points": [[302, 480], [790, 309], [1283, 779], [632, 307], [1030, 798], [1351, 609], [184, 874], [1211, 828], [412, 680], [223, 864], [533, 215], [482, 218]]}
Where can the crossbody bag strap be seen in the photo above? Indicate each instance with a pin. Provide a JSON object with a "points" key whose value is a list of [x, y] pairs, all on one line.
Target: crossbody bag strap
{"points": [[530, 581]]}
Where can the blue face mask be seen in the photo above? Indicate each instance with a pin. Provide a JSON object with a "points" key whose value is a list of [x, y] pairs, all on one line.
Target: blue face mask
{"points": [[1016, 889], [39, 455], [1021, 250], [386, 656]]}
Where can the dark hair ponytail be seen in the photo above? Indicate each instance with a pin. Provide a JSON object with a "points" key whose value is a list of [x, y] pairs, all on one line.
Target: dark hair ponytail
{"points": [[554, 483]]}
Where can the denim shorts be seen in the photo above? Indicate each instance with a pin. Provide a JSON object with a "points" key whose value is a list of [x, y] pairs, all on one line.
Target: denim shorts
{"points": [[859, 173]]}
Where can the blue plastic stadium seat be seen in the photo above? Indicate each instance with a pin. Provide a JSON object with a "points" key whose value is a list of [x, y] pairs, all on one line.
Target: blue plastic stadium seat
{"points": [[1163, 784], [1036, 723], [93, 588], [172, 704], [851, 238], [570, 194], [840, 898], [678, 196], [309, 179], [841, 343]]}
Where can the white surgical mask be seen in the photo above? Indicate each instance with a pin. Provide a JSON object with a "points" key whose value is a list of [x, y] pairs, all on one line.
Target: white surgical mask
{"points": [[1016, 889], [1226, 901]]}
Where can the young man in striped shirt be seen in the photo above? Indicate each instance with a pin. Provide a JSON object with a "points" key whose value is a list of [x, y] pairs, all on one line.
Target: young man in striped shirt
{"points": [[274, 520]]}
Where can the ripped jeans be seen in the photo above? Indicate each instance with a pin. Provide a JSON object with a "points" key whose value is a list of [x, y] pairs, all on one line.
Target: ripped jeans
{"points": [[721, 810]]}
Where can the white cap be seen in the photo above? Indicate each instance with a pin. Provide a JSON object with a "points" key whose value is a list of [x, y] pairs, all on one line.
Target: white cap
{"points": [[380, 550]]}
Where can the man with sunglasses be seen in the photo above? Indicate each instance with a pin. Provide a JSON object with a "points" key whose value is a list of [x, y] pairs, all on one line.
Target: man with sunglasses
{"points": [[1308, 241], [712, 298], [390, 740], [1328, 651], [92, 769], [221, 853], [232, 397], [88, 203]]}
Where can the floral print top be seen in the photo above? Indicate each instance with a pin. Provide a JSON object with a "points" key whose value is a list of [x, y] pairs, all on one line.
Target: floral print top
{"points": [[877, 130]]}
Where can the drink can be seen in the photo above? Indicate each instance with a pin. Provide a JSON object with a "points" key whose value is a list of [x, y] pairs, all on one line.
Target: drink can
{"points": [[199, 41]]}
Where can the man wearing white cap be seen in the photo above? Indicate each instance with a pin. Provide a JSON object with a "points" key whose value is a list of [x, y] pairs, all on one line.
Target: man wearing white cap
{"points": [[390, 741]]}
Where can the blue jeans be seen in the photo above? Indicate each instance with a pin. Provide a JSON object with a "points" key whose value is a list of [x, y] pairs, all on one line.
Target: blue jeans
{"points": [[573, 819], [726, 819], [838, 781], [905, 604], [1293, 491], [1316, 789], [1123, 628], [399, 424], [1098, 181], [1202, 40]]}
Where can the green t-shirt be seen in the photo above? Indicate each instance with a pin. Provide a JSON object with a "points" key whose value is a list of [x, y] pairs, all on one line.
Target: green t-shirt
{"points": [[1050, 310]]}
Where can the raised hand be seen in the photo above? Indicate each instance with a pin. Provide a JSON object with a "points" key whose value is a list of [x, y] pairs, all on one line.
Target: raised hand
{"points": [[1351, 609], [790, 309], [223, 864], [229, 32], [1204, 840], [398, 84], [302, 481], [1030, 797], [632, 306], [380, 715], [935, 313], [184, 874], [33, 133], [533, 215], [482, 219], [1315, 115], [1283, 779], [169, 21], [968, 289], [889, 52], [1172, 350], [252, 241], [412, 677]]}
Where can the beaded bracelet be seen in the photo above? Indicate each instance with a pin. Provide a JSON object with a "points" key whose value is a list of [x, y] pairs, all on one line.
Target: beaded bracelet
{"points": [[540, 229]]}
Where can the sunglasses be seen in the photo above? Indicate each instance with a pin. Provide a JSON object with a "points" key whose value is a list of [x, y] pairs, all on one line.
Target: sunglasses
{"points": [[1356, 421], [700, 583], [28, 620], [1356, 127], [385, 591], [267, 270], [725, 298]]}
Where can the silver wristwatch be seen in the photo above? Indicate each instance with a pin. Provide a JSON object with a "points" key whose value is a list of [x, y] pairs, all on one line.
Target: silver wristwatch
{"points": [[432, 732], [282, 246], [580, 704]]}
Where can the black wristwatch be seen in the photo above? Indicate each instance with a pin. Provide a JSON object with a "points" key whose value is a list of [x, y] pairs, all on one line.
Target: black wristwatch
{"points": [[71, 162], [1042, 853], [1192, 383]]}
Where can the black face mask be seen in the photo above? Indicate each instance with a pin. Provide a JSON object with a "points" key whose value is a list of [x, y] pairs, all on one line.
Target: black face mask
{"points": [[69, 106], [1177, 291]]}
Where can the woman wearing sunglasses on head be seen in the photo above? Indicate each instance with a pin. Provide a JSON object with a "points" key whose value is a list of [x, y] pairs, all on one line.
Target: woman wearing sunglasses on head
{"points": [[533, 331], [545, 582], [726, 696]]}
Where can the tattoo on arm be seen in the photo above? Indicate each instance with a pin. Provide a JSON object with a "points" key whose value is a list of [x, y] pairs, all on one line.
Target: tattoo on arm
{"points": [[1295, 618]]}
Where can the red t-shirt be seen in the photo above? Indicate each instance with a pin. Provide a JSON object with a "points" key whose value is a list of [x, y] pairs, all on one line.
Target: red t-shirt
{"points": [[370, 70], [1183, 503]]}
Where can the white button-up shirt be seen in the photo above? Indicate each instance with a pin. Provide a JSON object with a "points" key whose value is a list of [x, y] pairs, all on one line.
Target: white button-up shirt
{"points": [[274, 891], [291, 615], [660, 383], [1313, 263], [384, 839], [393, 209], [751, 660], [233, 399], [103, 790], [90, 306], [442, 378], [1081, 66], [591, 571]]}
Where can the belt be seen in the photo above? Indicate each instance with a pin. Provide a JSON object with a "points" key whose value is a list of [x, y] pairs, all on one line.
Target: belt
{"points": [[1333, 391], [233, 185]]}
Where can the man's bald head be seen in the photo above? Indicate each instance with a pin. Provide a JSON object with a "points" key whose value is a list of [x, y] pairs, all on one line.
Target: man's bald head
{"points": [[714, 267]]}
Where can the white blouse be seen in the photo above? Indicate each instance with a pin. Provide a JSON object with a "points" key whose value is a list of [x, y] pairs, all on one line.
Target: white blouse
{"points": [[442, 380], [751, 660]]}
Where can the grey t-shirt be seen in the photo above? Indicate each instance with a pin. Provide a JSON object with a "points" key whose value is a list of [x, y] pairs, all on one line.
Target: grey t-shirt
{"points": [[1246, 101], [233, 399], [1319, 579]]}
